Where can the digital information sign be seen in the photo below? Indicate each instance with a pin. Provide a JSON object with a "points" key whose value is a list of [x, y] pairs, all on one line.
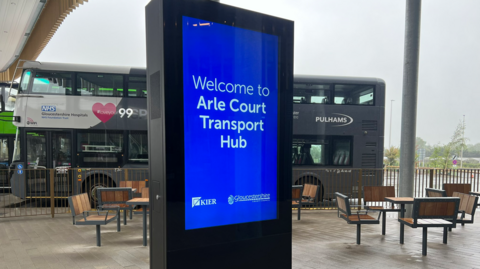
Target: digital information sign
{"points": [[220, 90], [230, 89]]}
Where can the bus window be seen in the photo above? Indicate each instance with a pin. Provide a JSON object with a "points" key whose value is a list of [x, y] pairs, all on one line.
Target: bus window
{"points": [[100, 149], [53, 83], [311, 93], [341, 152], [138, 147], [16, 152], [25, 80], [36, 150], [99, 84], [61, 149], [137, 86], [309, 152], [354, 95], [4, 152], [10, 102], [322, 150]]}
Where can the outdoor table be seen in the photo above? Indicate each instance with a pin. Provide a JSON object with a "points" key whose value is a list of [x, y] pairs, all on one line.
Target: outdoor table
{"points": [[142, 202], [402, 201]]}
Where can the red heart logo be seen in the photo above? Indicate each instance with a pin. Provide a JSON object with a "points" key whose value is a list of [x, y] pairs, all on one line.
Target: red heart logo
{"points": [[104, 112]]}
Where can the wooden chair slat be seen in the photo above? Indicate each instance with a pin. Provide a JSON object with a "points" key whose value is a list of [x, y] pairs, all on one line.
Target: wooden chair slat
{"points": [[145, 193], [451, 188], [76, 205], [450, 208], [110, 196], [79, 203], [86, 202], [378, 193], [104, 196], [118, 196], [296, 194], [470, 205]]}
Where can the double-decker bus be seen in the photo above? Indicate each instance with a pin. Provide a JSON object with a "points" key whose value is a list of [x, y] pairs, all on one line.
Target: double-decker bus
{"points": [[79, 116], [338, 129]]}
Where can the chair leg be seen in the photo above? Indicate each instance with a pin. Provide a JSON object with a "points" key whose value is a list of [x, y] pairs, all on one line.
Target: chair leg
{"points": [[424, 242], [299, 211], [124, 217], [384, 221], [118, 220], [449, 229], [445, 233], [73, 220], [358, 233], [131, 213], [99, 243]]}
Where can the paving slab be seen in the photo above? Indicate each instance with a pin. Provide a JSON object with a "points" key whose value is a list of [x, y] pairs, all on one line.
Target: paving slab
{"points": [[320, 240]]}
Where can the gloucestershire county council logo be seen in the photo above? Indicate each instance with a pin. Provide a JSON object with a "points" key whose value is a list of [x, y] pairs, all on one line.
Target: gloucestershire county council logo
{"points": [[198, 201], [263, 197]]}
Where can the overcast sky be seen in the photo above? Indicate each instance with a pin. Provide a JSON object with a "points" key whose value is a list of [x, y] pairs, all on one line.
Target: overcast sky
{"points": [[332, 37]]}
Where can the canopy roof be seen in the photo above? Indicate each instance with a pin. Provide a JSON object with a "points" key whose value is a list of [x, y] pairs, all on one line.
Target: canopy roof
{"points": [[27, 27]]}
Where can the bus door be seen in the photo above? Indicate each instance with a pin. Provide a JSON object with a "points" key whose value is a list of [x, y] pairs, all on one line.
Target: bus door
{"points": [[47, 150], [6, 152]]}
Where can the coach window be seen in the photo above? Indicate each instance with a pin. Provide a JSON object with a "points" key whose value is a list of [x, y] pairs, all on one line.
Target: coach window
{"points": [[311, 93], [56, 83], [354, 95], [137, 86], [99, 84]]}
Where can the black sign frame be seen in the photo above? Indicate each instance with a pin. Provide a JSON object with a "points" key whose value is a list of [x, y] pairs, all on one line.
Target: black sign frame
{"points": [[262, 244]]}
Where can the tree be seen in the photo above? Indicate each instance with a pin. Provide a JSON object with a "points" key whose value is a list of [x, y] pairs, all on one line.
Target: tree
{"points": [[435, 159], [442, 155], [420, 143], [392, 154]]}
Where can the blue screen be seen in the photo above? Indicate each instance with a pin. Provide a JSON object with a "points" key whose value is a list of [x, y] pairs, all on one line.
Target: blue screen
{"points": [[230, 78]]}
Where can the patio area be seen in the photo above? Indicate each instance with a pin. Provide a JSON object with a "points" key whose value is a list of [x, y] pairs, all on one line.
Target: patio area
{"points": [[320, 240]]}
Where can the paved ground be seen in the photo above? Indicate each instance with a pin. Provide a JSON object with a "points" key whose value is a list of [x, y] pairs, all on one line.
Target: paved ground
{"points": [[320, 240]]}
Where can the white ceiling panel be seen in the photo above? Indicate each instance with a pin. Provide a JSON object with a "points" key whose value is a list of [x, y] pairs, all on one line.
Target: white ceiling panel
{"points": [[17, 18]]}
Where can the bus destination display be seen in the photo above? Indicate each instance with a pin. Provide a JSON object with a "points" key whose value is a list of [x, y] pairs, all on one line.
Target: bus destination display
{"points": [[230, 78]]}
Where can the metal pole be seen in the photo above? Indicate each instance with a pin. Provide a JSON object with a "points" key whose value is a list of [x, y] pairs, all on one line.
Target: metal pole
{"points": [[390, 134], [409, 99], [463, 142]]}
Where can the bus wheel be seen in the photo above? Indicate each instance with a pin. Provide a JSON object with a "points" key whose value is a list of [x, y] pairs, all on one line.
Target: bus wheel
{"points": [[92, 184], [314, 181]]}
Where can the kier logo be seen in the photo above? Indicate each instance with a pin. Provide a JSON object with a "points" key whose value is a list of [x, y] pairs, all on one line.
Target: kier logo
{"points": [[104, 112]]}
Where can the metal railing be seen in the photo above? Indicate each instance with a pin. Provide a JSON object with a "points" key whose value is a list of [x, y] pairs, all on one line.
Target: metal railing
{"points": [[351, 181], [32, 192]]}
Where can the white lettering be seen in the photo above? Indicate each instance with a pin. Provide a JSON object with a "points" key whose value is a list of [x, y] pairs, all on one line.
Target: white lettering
{"points": [[199, 82]]}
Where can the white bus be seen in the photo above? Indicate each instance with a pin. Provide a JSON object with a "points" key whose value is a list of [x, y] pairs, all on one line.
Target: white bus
{"points": [[80, 116]]}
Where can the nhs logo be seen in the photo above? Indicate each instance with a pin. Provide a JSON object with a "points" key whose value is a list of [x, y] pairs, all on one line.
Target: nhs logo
{"points": [[49, 108], [198, 201]]}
